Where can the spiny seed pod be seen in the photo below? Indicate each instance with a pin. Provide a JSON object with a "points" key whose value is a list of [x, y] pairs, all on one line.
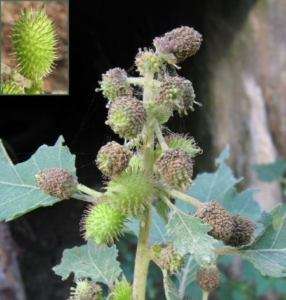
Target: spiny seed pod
{"points": [[126, 117], [11, 88], [182, 42], [112, 159], [177, 93], [147, 62], [122, 291], [136, 163], [208, 278], [114, 84], [86, 290], [242, 232], [57, 182], [160, 111], [167, 258], [103, 224], [220, 219], [130, 192], [183, 142], [176, 168], [34, 41]]}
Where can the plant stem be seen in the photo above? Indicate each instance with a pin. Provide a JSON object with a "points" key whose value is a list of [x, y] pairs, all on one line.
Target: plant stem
{"points": [[85, 198], [142, 258], [191, 200], [89, 191], [227, 251], [205, 295], [160, 137], [136, 80]]}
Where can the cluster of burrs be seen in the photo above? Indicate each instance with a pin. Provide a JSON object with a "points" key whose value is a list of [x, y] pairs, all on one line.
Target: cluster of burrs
{"points": [[137, 176], [34, 43]]}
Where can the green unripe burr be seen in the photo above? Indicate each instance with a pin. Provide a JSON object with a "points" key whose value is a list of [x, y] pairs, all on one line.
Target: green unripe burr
{"points": [[122, 291], [11, 88], [34, 42], [130, 192], [86, 290], [103, 224]]}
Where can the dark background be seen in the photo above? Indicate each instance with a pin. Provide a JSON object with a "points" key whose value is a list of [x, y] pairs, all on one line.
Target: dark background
{"points": [[103, 34]]}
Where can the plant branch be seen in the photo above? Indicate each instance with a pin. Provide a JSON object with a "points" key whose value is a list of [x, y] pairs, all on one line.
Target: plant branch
{"points": [[85, 198], [160, 137], [89, 191], [191, 200], [142, 258], [226, 251], [205, 295], [136, 80]]}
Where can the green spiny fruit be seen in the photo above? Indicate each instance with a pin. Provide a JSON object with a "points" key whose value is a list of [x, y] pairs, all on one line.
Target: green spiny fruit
{"points": [[208, 278], [114, 84], [112, 159], [182, 42], [86, 290], [103, 224], [57, 182], [220, 219], [183, 142], [122, 291], [177, 93], [11, 88], [160, 111], [242, 232], [130, 192], [136, 163], [167, 258], [176, 168], [126, 117], [34, 41], [148, 62]]}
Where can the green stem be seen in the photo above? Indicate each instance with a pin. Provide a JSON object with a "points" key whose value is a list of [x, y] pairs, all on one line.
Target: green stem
{"points": [[142, 258], [136, 80], [205, 295], [85, 198], [227, 251], [160, 137], [191, 200], [89, 191]]}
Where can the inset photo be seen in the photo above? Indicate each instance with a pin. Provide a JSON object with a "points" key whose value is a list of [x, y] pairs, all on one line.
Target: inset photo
{"points": [[34, 47]]}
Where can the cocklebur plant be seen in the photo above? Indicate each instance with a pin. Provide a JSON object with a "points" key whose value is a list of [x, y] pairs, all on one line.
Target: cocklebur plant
{"points": [[34, 48], [184, 225]]}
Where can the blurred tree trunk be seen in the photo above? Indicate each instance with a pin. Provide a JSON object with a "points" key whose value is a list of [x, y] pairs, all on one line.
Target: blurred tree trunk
{"points": [[11, 287], [247, 89]]}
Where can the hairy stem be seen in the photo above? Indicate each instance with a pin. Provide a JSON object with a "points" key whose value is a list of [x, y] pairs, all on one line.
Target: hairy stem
{"points": [[136, 80], [160, 137], [205, 295], [89, 191], [142, 258], [85, 198], [191, 200]]}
